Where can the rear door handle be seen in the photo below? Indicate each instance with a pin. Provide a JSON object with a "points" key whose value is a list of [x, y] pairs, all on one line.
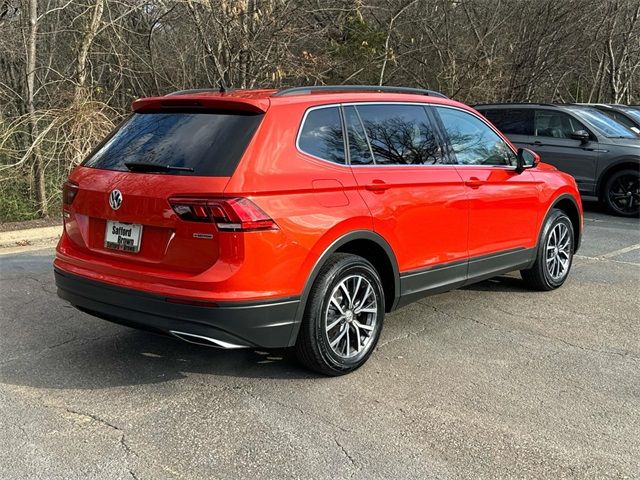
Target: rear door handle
{"points": [[377, 186], [473, 182], [540, 144]]}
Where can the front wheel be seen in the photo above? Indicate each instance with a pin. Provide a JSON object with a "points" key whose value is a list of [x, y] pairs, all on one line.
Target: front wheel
{"points": [[554, 255], [343, 316], [621, 193]]}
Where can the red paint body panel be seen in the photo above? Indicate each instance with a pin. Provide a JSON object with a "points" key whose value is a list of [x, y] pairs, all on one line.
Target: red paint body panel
{"points": [[421, 211], [503, 209], [428, 215]]}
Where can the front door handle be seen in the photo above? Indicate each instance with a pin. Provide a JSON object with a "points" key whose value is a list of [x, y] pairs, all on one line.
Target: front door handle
{"points": [[538, 143], [377, 186], [473, 182]]}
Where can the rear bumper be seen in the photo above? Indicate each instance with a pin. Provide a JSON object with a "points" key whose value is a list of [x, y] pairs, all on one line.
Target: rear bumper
{"points": [[232, 324]]}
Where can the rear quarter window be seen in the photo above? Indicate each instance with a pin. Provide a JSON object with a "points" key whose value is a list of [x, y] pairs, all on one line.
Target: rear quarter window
{"points": [[511, 121], [321, 135], [203, 143]]}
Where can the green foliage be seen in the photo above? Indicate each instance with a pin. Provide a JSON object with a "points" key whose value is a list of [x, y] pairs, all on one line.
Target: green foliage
{"points": [[360, 47], [16, 203]]}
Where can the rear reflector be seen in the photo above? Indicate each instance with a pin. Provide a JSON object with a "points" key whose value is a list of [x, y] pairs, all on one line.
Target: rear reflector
{"points": [[229, 214], [69, 192]]}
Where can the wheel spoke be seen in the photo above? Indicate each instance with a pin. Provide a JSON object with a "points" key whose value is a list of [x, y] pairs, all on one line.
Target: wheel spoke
{"points": [[367, 293], [346, 292], [335, 322], [364, 326], [337, 305], [348, 341], [338, 338], [356, 290], [358, 340], [564, 234], [367, 310], [563, 265]]}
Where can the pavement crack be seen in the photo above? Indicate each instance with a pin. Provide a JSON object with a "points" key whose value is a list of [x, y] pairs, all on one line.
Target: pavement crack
{"points": [[91, 416], [126, 447], [348, 456]]}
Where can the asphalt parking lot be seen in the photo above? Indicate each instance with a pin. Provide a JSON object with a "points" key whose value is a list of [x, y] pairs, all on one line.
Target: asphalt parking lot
{"points": [[491, 381]]}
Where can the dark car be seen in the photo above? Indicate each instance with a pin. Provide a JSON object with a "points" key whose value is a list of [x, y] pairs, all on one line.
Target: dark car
{"points": [[602, 154], [627, 115]]}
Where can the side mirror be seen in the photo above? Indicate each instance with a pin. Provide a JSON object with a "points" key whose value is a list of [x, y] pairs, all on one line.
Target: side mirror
{"points": [[581, 135], [526, 159]]}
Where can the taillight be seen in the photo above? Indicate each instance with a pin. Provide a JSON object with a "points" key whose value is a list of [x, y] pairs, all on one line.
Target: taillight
{"points": [[229, 214], [69, 192]]}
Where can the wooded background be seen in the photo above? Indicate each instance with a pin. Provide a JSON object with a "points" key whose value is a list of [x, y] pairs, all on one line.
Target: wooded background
{"points": [[69, 69]]}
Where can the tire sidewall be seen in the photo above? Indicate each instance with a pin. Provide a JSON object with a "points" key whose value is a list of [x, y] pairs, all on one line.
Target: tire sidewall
{"points": [[349, 266]]}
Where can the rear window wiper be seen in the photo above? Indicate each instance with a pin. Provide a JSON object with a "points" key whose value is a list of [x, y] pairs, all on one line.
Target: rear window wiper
{"points": [[154, 167]]}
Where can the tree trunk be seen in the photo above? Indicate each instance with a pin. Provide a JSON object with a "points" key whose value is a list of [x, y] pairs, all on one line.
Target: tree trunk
{"points": [[38, 163], [83, 50]]}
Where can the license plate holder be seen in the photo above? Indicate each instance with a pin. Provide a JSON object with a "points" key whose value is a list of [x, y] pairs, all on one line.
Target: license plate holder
{"points": [[124, 237]]}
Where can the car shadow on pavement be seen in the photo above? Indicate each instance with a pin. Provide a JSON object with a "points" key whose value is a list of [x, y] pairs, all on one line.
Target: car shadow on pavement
{"points": [[127, 357], [504, 283]]}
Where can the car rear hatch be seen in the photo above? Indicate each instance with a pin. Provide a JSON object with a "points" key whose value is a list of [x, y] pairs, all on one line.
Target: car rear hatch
{"points": [[142, 200]]}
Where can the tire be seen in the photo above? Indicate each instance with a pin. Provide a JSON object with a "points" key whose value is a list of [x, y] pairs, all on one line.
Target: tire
{"points": [[333, 351], [621, 194], [552, 265]]}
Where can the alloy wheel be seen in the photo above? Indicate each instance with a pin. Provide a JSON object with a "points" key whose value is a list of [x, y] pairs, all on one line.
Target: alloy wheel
{"points": [[558, 251], [351, 316], [624, 194]]}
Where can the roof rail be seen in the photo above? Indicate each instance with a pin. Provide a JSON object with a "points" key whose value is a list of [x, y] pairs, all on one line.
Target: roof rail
{"points": [[515, 104], [356, 88]]}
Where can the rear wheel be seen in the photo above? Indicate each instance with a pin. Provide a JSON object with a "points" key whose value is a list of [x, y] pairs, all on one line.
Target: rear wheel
{"points": [[621, 193], [555, 253], [343, 316]]}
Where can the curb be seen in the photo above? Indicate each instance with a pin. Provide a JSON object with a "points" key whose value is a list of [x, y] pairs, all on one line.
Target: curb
{"points": [[31, 237]]}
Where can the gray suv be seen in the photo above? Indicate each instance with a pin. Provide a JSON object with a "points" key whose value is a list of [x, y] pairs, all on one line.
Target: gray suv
{"points": [[602, 154]]}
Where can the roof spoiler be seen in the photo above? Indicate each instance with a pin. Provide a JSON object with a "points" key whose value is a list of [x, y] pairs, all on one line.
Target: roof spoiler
{"points": [[193, 101]]}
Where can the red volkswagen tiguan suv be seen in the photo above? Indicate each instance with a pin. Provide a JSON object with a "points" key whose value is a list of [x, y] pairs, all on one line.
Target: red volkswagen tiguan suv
{"points": [[299, 217]]}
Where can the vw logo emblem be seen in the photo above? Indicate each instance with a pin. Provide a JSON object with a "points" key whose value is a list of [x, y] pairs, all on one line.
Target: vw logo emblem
{"points": [[115, 199]]}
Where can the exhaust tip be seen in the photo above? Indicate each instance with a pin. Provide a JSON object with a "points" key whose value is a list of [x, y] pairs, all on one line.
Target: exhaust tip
{"points": [[206, 341]]}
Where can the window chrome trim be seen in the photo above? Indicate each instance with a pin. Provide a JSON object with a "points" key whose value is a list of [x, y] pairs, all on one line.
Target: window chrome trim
{"points": [[381, 102]]}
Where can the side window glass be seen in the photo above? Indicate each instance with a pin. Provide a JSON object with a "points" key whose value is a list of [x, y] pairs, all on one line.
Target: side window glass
{"points": [[359, 151], [550, 123], [321, 135], [473, 142], [511, 121], [400, 134]]}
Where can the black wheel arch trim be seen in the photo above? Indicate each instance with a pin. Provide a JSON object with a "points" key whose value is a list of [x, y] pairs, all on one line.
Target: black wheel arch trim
{"points": [[331, 249], [577, 234], [618, 164]]}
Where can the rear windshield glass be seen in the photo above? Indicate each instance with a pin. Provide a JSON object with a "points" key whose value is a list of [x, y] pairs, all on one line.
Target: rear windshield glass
{"points": [[635, 113], [203, 143], [511, 121]]}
